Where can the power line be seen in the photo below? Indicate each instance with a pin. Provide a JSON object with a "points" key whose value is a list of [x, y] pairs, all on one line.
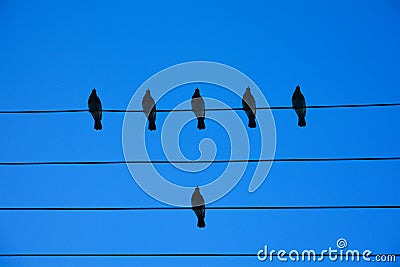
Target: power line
{"points": [[130, 255], [166, 255], [190, 110], [208, 208], [184, 254], [196, 161]]}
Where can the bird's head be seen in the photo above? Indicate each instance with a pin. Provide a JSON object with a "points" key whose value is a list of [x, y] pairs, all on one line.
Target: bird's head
{"points": [[197, 189], [197, 90], [94, 91], [248, 89], [298, 88], [148, 92]]}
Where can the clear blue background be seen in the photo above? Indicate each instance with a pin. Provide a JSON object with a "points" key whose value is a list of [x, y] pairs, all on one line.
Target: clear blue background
{"points": [[52, 53]]}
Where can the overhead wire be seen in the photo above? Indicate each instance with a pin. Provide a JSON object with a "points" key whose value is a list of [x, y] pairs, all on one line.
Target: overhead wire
{"points": [[190, 110], [357, 207], [22, 163], [169, 255]]}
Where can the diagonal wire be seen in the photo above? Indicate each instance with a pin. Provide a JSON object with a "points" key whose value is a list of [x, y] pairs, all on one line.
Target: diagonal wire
{"points": [[197, 161]]}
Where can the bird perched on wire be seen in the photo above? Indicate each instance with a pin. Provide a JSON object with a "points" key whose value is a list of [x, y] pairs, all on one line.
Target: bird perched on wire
{"points": [[199, 109], [249, 106], [149, 108], [199, 207], [95, 109], [299, 105]]}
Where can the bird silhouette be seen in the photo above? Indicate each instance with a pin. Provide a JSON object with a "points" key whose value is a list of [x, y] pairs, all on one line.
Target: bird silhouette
{"points": [[149, 108], [299, 105], [198, 109], [95, 109], [199, 208], [249, 106]]}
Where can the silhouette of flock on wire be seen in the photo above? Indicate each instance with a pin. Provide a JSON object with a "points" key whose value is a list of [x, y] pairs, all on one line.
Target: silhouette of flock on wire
{"points": [[198, 108]]}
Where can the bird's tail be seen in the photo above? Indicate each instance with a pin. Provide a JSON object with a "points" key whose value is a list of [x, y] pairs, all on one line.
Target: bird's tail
{"points": [[200, 123], [302, 122], [252, 122], [200, 222], [152, 125], [97, 125]]}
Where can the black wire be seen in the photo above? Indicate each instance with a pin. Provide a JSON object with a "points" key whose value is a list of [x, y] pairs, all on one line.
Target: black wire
{"points": [[183, 254], [190, 110], [208, 208], [196, 161], [162, 255]]}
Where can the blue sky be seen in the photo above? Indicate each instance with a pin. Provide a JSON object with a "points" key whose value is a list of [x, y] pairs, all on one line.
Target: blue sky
{"points": [[54, 52]]}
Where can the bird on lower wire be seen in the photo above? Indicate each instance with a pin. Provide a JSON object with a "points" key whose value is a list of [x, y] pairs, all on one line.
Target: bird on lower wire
{"points": [[199, 109], [149, 108], [249, 106], [299, 105], [95, 109], [199, 207]]}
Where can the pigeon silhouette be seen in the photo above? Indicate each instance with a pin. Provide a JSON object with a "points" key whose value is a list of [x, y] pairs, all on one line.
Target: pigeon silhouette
{"points": [[95, 109], [299, 105], [198, 109], [149, 108], [199, 207], [249, 106]]}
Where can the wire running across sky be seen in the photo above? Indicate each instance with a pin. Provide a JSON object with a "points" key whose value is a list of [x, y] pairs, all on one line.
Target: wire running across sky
{"points": [[355, 207], [21, 163], [160, 255], [190, 110]]}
